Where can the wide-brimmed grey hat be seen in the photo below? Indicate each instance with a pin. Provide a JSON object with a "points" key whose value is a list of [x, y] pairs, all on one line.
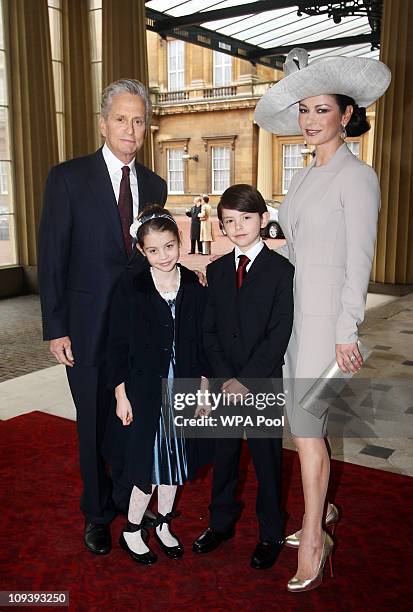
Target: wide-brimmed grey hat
{"points": [[360, 78]]}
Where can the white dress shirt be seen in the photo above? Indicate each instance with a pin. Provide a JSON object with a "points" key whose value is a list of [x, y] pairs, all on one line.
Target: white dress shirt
{"points": [[251, 254], [115, 166]]}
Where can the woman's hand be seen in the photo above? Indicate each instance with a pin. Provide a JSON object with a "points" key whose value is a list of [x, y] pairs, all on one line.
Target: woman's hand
{"points": [[201, 277], [123, 405], [348, 357]]}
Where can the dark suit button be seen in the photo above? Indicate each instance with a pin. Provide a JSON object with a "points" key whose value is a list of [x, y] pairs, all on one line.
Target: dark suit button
{"points": [[234, 335]]}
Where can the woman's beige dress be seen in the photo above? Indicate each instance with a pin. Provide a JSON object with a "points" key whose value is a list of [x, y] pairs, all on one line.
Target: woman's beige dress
{"points": [[207, 234], [329, 219]]}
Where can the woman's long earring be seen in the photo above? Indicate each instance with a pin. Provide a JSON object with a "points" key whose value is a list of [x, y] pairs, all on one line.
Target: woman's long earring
{"points": [[343, 133]]}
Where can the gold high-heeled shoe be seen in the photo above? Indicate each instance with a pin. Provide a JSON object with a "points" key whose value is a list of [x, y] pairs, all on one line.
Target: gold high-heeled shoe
{"points": [[298, 586], [331, 520]]}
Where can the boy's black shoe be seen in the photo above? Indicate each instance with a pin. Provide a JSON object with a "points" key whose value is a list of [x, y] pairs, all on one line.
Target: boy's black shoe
{"points": [[97, 538], [265, 554], [210, 539]]}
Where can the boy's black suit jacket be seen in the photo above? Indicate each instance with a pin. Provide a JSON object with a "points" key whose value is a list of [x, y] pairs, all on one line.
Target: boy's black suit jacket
{"points": [[246, 331], [82, 253]]}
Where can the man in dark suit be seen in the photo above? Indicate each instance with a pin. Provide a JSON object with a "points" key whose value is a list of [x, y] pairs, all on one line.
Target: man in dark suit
{"points": [[84, 246], [195, 231], [247, 327]]}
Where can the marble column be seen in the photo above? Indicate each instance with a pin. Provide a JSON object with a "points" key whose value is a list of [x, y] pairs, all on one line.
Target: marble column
{"points": [[265, 165]]}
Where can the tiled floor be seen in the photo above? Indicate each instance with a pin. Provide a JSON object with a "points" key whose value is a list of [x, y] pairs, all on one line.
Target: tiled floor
{"points": [[30, 379]]}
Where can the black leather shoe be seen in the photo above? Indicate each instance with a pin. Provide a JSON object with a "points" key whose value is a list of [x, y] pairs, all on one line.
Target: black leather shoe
{"points": [[146, 558], [173, 552], [210, 539], [265, 554], [97, 538]]}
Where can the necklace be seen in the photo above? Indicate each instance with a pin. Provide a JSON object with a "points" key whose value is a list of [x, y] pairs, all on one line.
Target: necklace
{"points": [[170, 287]]}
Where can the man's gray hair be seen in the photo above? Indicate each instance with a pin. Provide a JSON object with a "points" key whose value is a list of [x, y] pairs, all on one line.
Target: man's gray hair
{"points": [[136, 88]]}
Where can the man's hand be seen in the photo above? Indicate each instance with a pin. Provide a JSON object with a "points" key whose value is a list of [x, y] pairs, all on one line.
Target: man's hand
{"points": [[124, 410], [348, 357], [234, 387], [61, 348]]}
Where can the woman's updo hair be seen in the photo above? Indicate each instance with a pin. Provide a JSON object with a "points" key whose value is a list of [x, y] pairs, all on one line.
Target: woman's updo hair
{"points": [[156, 219], [358, 123]]}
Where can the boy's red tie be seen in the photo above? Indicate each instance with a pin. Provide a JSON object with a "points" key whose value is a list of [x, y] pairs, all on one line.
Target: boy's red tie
{"points": [[125, 205], [242, 269]]}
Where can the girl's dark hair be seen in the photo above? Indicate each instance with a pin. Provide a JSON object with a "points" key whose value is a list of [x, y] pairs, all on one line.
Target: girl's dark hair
{"points": [[243, 198], [358, 123], [159, 223]]}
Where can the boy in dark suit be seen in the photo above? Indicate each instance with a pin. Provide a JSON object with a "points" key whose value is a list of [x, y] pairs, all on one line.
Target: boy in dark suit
{"points": [[247, 327]]}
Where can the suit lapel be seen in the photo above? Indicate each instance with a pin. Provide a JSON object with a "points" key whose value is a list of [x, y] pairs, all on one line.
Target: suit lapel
{"points": [[257, 265], [101, 186], [145, 197], [291, 210], [228, 275]]}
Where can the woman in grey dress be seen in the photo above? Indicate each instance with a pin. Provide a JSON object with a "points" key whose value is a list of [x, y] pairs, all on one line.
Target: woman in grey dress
{"points": [[329, 219]]}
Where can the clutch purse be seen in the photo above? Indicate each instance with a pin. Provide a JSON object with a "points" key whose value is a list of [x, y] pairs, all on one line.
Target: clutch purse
{"points": [[331, 382]]}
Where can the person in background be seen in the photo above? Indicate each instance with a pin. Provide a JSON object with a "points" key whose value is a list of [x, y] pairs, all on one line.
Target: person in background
{"points": [[195, 231], [207, 232]]}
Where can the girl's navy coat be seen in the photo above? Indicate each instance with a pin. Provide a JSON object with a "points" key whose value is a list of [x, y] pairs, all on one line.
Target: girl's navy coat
{"points": [[141, 334]]}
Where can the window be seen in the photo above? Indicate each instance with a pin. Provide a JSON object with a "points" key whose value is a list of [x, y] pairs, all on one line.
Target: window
{"points": [[292, 161], [354, 148], [221, 169], [8, 246], [56, 40], [4, 179], [176, 170], [222, 69], [176, 65]]}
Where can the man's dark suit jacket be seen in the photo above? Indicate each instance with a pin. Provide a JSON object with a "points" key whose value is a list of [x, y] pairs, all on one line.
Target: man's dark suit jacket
{"points": [[81, 251], [246, 331], [195, 221]]}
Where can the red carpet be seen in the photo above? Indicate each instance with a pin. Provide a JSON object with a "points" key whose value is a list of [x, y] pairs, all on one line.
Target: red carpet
{"points": [[41, 538]]}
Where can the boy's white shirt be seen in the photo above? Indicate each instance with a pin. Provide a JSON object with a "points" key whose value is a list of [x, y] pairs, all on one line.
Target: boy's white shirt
{"points": [[251, 253]]}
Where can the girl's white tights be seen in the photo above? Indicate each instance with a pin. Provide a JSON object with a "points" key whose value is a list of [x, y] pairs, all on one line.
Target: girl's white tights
{"points": [[166, 498], [138, 504]]}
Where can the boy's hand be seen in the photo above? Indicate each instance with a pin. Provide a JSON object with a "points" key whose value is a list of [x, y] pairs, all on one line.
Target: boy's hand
{"points": [[234, 387], [202, 410], [204, 407], [124, 410]]}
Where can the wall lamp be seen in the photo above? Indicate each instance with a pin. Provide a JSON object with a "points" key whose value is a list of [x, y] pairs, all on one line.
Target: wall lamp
{"points": [[187, 157]]}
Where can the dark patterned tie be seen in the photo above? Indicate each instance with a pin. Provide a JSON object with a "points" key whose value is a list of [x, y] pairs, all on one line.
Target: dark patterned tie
{"points": [[125, 206], [242, 269]]}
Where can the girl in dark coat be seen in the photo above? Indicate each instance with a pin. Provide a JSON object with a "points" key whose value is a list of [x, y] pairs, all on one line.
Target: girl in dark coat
{"points": [[155, 334]]}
